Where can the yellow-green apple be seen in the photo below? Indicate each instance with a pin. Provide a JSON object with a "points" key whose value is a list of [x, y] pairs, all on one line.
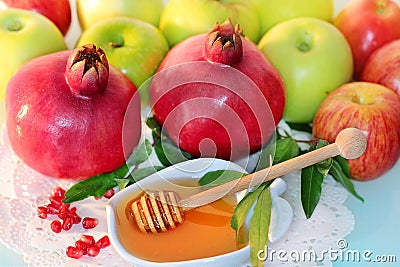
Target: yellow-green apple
{"points": [[382, 66], [91, 11], [182, 19], [272, 12], [367, 25], [313, 58], [58, 11], [371, 108], [24, 35], [133, 46]]}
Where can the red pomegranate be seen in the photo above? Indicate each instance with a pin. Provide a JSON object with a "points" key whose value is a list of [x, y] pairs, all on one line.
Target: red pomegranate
{"points": [[68, 112], [216, 95]]}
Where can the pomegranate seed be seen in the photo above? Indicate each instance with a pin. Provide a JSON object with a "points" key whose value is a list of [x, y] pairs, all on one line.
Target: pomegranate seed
{"points": [[42, 212], [109, 193], [55, 202], [88, 239], [52, 210], [82, 245], [89, 223], [76, 218], [97, 198], [74, 252], [93, 251], [56, 226], [103, 242], [58, 193], [67, 223]]}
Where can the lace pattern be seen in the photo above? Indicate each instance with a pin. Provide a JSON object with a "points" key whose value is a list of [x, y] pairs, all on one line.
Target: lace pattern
{"points": [[23, 190]]}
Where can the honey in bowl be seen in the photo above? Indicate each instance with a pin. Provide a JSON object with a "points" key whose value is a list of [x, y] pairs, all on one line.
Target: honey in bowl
{"points": [[205, 232]]}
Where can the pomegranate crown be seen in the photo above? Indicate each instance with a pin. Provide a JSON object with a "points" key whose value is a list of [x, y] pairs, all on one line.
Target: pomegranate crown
{"points": [[224, 43], [87, 70]]}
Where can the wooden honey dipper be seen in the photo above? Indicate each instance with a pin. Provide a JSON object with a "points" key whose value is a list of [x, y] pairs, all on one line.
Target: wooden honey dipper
{"points": [[160, 211]]}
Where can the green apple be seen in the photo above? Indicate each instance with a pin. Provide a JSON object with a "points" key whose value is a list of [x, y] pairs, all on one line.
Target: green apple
{"points": [[313, 58], [182, 18], [133, 46], [24, 35], [272, 12], [91, 11]]}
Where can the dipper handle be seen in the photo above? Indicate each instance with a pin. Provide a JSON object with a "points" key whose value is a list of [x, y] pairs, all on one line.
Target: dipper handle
{"points": [[350, 143]]}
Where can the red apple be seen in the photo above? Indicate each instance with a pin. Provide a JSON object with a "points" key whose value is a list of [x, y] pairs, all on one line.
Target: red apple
{"points": [[383, 66], [371, 108], [367, 25], [58, 11]]}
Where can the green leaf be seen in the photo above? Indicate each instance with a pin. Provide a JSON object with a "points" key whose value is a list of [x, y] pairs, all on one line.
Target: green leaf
{"points": [[95, 186], [286, 148], [259, 226], [140, 154], [281, 150], [323, 166], [122, 183], [340, 174], [153, 124], [304, 127], [243, 207], [311, 187], [139, 174], [343, 164], [219, 177], [168, 153]]}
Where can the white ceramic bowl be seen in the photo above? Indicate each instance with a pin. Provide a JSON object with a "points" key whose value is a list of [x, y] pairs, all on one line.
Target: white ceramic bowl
{"points": [[160, 181]]}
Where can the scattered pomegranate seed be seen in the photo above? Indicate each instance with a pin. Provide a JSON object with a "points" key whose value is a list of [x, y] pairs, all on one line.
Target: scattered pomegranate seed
{"points": [[88, 239], [103, 242], [56, 226], [74, 252], [42, 212], [52, 210], [58, 193], [67, 223], [93, 251], [109, 193], [82, 245], [86, 245], [89, 223]]}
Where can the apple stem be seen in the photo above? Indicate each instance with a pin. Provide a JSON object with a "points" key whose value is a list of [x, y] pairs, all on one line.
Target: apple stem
{"points": [[381, 7], [15, 26], [114, 44], [305, 43]]}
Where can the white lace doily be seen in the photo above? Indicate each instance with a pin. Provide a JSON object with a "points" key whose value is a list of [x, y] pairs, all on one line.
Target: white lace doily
{"points": [[22, 190]]}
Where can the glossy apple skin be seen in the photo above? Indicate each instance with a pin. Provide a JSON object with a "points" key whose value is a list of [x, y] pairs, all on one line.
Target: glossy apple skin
{"points": [[91, 11], [20, 46], [367, 25], [64, 135], [383, 66], [313, 58], [272, 12], [371, 108], [138, 47], [58, 11], [237, 107], [182, 19]]}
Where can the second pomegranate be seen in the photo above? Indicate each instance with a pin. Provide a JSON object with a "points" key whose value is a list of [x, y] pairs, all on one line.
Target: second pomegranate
{"points": [[216, 95]]}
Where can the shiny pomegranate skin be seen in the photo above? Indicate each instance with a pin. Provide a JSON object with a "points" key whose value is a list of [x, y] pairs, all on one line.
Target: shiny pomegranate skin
{"points": [[207, 108], [63, 134]]}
